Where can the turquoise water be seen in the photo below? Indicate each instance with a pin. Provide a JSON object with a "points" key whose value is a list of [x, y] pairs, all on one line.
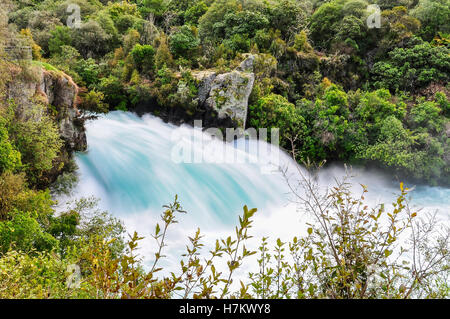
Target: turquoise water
{"points": [[132, 166], [129, 165]]}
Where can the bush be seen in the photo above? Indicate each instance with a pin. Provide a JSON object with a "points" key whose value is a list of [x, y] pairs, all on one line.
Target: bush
{"points": [[413, 68], [23, 233], [38, 142], [184, 42], [10, 159], [275, 111], [61, 36], [143, 57]]}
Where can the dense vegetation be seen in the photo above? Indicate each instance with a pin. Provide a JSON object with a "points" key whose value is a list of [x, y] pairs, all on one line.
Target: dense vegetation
{"points": [[355, 94], [337, 89]]}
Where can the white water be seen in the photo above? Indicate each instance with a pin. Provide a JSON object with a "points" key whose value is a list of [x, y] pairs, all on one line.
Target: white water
{"points": [[129, 167]]}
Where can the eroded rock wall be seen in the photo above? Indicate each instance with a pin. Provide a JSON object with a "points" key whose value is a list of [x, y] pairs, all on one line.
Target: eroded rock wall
{"points": [[54, 89]]}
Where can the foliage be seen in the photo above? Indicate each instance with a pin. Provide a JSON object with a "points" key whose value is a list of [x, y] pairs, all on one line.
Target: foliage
{"points": [[184, 42], [91, 40], [41, 275], [10, 159], [434, 16], [336, 88], [23, 232], [60, 36], [38, 142], [143, 57], [274, 111], [412, 68], [93, 102], [194, 13], [352, 250]]}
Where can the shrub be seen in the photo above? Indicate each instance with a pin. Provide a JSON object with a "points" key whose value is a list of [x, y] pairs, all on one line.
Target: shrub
{"points": [[184, 42], [143, 57]]}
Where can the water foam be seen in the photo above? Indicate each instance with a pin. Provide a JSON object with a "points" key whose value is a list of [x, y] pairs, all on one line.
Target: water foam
{"points": [[129, 167]]}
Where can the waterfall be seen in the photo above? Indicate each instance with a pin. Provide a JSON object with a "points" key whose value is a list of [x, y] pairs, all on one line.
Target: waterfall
{"points": [[129, 166]]}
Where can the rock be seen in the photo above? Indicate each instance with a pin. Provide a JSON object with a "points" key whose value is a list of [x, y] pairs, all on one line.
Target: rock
{"points": [[206, 79], [247, 64], [56, 89], [227, 93]]}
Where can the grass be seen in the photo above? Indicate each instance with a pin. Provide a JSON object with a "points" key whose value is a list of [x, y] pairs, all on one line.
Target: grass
{"points": [[45, 66]]}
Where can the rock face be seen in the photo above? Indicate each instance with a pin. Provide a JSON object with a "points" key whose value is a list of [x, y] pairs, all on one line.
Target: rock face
{"points": [[228, 93], [56, 89]]}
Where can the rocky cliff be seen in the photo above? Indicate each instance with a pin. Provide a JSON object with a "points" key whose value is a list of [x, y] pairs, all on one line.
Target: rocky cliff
{"points": [[57, 91]]}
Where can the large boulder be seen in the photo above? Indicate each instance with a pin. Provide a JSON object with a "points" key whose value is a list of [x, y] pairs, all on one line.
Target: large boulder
{"points": [[228, 93]]}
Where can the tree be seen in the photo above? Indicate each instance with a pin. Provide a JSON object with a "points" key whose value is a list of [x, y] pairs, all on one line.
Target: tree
{"points": [[36, 50], [91, 40], [89, 72], [427, 114], [61, 36], [163, 56], [39, 142], [114, 92], [434, 16], [24, 233], [184, 42], [397, 26], [194, 13], [288, 16], [93, 101], [155, 7], [372, 108], [413, 67], [143, 57], [275, 111], [339, 23], [394, 147], [323, 23], [10, 159], [211, 25]]}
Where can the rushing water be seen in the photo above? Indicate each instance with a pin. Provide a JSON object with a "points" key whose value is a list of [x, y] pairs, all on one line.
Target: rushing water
{"points": [[130, 166]]}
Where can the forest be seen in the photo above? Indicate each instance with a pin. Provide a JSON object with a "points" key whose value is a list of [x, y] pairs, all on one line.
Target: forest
{"points": [[341, 88]]}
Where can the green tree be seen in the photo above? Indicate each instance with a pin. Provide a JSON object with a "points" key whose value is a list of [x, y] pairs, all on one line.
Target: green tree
{"points": [[23, 232], [10, 159], [434, 16], [60, 36], [194, 13], [288, 16], [413, 67], [394, 147], [91, 40], [275, 111], [427, 114], [143, 57], [184, 42], [211, 26], [39, 142], [323, 23], [114, 92], [155, 7]]}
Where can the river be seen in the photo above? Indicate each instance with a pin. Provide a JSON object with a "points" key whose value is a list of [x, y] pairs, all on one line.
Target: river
{"points": [[133, 166]]}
